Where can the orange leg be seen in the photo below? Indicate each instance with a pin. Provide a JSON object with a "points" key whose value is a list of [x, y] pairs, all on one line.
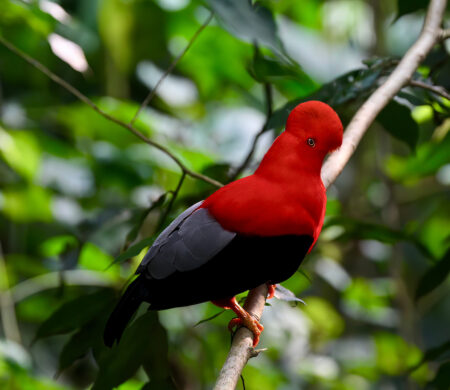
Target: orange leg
{"points": [[271, 292], [244, 318]]}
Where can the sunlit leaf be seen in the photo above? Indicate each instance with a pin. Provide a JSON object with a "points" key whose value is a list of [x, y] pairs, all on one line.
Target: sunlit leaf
{"points": [[134, 250], [82, 121], [368, 300], [395, 355], [327, 322], [26, 13], [435, 232], [21, 151], [430, 156], [57, 244], [94, 258], [27, 204]]}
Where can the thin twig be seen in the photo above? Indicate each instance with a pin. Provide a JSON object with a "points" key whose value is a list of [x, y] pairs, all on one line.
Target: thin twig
{"points": [[74, 91], [172, 200], [438, 90], [241, 349], [7, 310], [444, 34], [174, 63], [268, 98]]}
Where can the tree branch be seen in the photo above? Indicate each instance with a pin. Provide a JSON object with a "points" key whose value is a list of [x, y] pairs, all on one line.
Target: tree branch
{"points": [[438, 90], [241, 348], [152, 93], [268, 98], [378, 100], [128, 126]]}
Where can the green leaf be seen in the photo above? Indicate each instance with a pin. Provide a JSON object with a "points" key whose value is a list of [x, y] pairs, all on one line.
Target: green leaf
{"points": [[267, 69], [143, 343], [434, 277], [354, 229], [75, 313], [352, 86], [56, 245], [442, 379], [80, 343], [250, 23], [397, 121], [133, 250], [428, 159], [394, 354], [327, 322], [27, 14], [29, 204], [139, 217], [433, 354], [366, 231], [20, 151]]}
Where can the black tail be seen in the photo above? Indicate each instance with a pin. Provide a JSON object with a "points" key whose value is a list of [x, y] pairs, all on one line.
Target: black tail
{"points": [[134, 295]]}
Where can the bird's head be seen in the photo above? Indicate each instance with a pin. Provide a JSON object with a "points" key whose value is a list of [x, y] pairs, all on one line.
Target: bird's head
{"points": [[317, 126]]}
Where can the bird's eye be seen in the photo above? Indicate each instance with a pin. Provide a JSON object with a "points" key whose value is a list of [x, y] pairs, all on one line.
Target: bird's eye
{"points": [[311, 142]]}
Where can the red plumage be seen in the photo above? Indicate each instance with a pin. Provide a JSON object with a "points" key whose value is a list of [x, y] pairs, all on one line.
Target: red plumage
{"points": [[286, 194], [252, 231]]}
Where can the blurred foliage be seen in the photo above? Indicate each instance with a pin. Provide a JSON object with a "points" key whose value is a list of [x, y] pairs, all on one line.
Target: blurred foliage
{"points": [[81, 198]]}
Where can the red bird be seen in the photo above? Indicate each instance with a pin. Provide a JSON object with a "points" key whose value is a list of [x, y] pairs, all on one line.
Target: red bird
{"points": [[252, 231]]}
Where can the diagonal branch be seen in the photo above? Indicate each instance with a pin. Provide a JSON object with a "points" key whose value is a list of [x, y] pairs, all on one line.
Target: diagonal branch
{"points": [[152, 93], [74, 91], [378, 100], [241, 350]]}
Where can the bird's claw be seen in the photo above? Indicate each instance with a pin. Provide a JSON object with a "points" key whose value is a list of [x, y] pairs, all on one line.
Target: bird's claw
{"points": [[271, 290], [251, 324]]}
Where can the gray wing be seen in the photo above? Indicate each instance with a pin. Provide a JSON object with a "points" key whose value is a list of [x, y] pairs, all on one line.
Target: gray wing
{"points": [[192, 239]]}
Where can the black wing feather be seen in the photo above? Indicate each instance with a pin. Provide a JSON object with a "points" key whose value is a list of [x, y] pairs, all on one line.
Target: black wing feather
{"points": [[196, 239]]}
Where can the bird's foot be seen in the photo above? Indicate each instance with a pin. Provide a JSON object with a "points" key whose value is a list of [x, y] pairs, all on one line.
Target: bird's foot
{"points": [[271, 290], [250, 323], [244, 318]]}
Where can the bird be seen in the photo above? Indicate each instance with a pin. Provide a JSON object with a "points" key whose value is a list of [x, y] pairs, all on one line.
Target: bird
{"points": [[252, 231]]}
